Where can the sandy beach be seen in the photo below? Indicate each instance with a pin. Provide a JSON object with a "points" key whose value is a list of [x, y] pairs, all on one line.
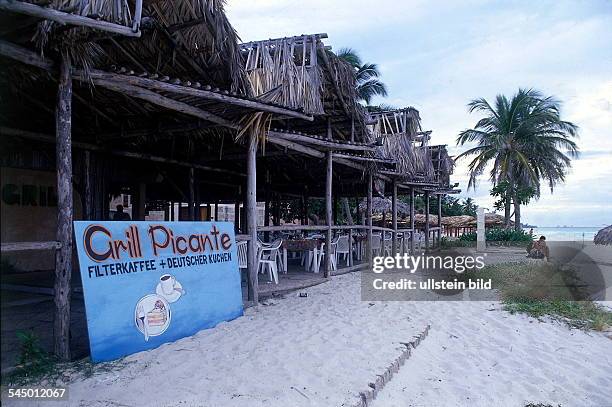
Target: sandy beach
{"points": [[322, 350]]}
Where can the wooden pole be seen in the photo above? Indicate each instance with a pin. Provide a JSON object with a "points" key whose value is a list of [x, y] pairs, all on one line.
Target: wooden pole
{"points": [[63, 257], [440, 220], [369, 219], [328, 213], [191, 209], [67, 18], [88, 212], [426, 220], [394, 218], [251, 209], [237, 211], [412, 235]]}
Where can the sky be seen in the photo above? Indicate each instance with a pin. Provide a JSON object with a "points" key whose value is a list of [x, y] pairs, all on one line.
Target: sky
{"points": [[438, 55]]}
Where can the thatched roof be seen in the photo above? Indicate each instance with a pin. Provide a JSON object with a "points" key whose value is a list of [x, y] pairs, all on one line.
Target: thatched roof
{"points": [[302, 73], [604, 236], [380, 205], [187, 39]]}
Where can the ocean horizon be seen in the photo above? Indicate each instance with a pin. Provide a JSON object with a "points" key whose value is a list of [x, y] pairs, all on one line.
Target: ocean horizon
{"points": [[567, 233]]}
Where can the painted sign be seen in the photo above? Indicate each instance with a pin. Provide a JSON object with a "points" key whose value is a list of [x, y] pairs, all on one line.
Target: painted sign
{"points": [[148, 283]]}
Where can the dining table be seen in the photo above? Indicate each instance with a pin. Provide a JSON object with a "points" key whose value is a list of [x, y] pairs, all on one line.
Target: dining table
{"points": [[307, 246]]}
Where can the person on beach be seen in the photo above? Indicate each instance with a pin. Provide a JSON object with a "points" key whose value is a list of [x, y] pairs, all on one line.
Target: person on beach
{"points": [[539, 249], [120, 215]]}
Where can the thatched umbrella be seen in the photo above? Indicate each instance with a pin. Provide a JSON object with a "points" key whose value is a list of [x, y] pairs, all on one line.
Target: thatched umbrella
{"points": [[604, 236], [380, 205]]}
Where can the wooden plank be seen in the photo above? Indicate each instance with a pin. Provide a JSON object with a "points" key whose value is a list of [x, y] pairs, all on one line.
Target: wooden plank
{"points": [[26, 246], [66, 18], [63, 257], [251, 209]]}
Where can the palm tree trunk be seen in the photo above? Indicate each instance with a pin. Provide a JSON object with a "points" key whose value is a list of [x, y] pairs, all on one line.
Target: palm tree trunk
{"points": [[507, 213], [517, 213], [347, 210]]}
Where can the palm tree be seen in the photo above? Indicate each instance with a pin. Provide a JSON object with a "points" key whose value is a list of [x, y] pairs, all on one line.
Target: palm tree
{"points": [[523, 141], [367, 74]]}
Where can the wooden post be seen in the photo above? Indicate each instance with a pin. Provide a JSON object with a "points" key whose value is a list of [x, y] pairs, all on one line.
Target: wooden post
{"points": [[208, 211], [191, 208], [251, 209], [217, 211], [63, 256], [426, 220], [267, 205], [412, 221], [328, 213], [350, 239], [369, 219], [394, 217], [88, 212], [237, 211], [439, 221]]}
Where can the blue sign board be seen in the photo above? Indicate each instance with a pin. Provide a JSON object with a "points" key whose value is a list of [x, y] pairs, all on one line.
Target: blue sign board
{"points": [[148, 283]]}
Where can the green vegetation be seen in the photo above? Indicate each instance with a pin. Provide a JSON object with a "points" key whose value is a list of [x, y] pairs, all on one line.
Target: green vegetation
{"points": [[366, 76], [526, 142], [33, 362], [516, 237], [545, 289]]}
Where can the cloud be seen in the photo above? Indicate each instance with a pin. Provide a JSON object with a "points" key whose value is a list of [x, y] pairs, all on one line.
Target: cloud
{"points": [[437, 55]]}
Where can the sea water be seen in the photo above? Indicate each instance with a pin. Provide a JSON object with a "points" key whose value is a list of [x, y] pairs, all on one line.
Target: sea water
{"points": [[566, 234]]}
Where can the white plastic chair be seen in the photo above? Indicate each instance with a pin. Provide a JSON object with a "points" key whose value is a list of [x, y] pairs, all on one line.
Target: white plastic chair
{"points": [[376, 244], [332, 253], [268, 256], [242, 254], [343, 248], [387, 244]]}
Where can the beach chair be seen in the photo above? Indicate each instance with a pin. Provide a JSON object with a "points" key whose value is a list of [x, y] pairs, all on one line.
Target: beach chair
{"points": [[376, 244], [242, 257], [268, 257], [388, 243], [343, 249], [332, 253]]}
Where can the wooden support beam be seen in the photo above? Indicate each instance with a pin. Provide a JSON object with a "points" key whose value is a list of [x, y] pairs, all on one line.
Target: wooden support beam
{"points": [[7, 131], [321, 142], [440, 220], [251, 208], [63, 258], [412, 221], [426, 220], [66, 18], [26, 246], [394, 217], [201, 93], [168, 103], [191, 209], [328, 214], [297, 147], [369, 218]]}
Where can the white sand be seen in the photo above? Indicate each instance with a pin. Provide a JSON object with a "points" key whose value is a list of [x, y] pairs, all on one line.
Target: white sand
{"points": [[478, 355], [315, 351], [324, 349]]}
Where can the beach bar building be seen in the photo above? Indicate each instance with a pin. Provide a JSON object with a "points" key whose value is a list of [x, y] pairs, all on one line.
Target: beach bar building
{"points": [[159, 107]]}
